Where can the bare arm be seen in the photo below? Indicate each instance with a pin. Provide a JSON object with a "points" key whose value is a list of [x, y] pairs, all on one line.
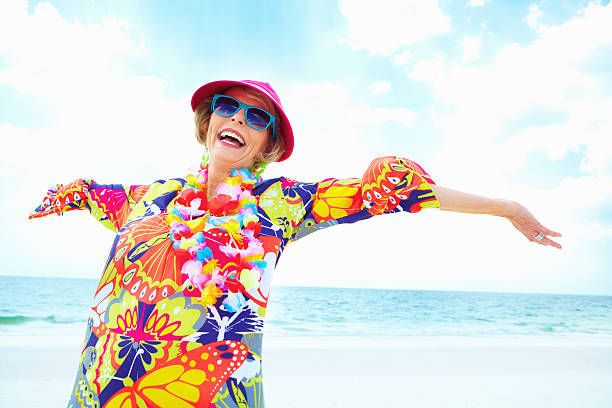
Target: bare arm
{"points": [[518, 215], [453, 200]]}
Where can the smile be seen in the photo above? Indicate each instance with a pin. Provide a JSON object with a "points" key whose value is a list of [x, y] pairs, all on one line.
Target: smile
{"points": [[231, 137]]}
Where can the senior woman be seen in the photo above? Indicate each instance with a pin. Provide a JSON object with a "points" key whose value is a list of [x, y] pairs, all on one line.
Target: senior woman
{"points": [[177, 318]]}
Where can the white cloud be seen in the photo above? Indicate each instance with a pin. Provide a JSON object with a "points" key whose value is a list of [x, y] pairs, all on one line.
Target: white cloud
{"points": [[402, 116], [548, 73], [534, 15], [328, 119], [102, 111], [109, 118], [428, 69], [471, 48], [380, 87], [484, 118], [401, 58], [385, 26], [116, 126], [108, 123], [49, 55]]}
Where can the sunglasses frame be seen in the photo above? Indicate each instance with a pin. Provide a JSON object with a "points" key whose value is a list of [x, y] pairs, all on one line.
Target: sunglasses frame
{"points": [[246, 108]]}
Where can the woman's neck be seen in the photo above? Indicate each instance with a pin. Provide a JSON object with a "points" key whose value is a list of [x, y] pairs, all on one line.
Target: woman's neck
{"points": [[217, 172]]}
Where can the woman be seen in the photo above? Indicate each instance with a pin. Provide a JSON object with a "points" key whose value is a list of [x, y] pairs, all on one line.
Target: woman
{"points": [[177, 317]]}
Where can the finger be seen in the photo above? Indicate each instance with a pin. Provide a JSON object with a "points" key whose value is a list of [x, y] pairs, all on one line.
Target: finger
{"points": [[533, 236], [547, 241], [551, 232], [546, 231]]}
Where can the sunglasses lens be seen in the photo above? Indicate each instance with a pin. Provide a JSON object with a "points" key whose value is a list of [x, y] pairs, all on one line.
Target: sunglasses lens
{"points": [[258, 118], [225, 106]]}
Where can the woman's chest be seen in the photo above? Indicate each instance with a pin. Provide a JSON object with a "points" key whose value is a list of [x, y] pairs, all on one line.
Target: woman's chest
{"points": [[147, 262]]}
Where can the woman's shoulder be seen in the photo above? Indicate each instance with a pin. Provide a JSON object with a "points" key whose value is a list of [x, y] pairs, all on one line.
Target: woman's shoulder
{"points": [[283, 186], [161, 187], [285, 198]]}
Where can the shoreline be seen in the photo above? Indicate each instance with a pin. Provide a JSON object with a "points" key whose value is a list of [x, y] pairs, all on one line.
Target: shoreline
{"points": [[365, 372], [71, 334]]}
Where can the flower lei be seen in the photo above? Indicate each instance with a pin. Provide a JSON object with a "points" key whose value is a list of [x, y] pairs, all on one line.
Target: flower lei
{"points": [[232, 210]]}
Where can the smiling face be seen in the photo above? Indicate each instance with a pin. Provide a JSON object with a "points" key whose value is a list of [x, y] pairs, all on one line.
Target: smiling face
{"points": [[230, 140]]}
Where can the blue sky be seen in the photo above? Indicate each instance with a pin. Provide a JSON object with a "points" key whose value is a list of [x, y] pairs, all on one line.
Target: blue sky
{"points": [[502, 99]]}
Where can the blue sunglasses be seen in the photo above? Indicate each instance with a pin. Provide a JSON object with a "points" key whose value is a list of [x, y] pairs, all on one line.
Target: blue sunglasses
{"points": [[257, 118]]}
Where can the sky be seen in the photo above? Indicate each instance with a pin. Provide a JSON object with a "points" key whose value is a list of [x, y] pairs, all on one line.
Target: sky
{"points": [[505, 99]]}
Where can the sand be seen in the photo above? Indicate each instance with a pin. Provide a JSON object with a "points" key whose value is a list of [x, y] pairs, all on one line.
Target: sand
{"points": [[355, 372]]}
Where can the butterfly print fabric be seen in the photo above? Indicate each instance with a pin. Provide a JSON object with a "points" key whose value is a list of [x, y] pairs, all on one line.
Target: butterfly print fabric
{"points": [[150, 341]]}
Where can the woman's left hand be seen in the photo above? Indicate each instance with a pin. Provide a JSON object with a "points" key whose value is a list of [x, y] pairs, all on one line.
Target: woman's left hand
{"points": [[527, 224]]}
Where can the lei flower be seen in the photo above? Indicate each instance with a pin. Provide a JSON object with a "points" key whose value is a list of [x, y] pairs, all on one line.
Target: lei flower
{"points": [[232, 213]]}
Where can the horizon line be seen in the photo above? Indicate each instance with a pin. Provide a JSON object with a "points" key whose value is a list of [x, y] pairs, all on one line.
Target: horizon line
{"points": [[353, 287]]}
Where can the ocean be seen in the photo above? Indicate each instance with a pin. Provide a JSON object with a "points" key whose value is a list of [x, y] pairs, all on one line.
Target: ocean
{"points": [[44, 306]]}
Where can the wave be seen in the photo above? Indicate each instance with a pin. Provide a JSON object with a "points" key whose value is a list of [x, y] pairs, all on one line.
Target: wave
{"points": [[18, 319]]}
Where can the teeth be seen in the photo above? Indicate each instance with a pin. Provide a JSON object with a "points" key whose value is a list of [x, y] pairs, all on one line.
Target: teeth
{"points": [[226, 133]]}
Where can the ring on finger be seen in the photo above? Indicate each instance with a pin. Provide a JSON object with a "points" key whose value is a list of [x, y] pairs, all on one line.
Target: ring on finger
{"points": [[539, 237]]}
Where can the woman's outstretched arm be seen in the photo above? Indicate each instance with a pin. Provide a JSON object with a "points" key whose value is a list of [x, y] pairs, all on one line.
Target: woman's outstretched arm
{"points": [[108, 203], [518, 215]]}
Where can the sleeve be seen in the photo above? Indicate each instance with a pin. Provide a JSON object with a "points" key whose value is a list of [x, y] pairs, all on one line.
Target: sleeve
{"points": [[108, 203], [389, 184]]}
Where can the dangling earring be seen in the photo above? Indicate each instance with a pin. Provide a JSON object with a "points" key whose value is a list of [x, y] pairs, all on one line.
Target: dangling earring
{"points": [[258, 168], [205, 156]]}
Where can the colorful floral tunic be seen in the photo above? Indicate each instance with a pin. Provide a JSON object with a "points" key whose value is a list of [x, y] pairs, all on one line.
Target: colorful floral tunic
{"points": [[149, 341]]}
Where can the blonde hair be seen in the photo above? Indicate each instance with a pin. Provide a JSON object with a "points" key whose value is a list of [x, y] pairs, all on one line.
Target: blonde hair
{"points": [[274, 148]]}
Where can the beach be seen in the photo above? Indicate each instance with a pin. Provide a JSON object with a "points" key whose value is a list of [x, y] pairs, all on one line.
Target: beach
{"points": [[443, 372], [347, 371], [321, 348]]}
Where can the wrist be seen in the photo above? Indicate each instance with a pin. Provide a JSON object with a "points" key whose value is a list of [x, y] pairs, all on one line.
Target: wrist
{"points": [[507, 208]]}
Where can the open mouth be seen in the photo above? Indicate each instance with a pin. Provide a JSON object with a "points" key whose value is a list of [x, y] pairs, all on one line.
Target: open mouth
{"points": [[231, 137]]}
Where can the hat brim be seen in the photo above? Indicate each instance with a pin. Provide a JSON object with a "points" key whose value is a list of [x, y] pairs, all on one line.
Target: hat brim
{"points": [[215, 87]]}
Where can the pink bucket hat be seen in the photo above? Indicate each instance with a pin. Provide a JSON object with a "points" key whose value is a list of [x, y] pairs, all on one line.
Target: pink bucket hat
{"points": [[212, 88]]}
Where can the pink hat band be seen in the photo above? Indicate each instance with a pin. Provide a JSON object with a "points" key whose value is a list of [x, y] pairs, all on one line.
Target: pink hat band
{"points": [[212, 88]]}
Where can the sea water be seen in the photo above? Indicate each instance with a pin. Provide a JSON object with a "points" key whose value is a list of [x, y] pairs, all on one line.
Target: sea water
{"points": [[60, 306]]}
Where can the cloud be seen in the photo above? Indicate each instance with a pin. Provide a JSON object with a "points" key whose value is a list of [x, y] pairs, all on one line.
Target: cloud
{"points": [[328, 119], [104, 113], [490, 116], [116, 123], [401, 58], [534, 15], [478, 3], [51, 56], [550, 73], [380, 87], [109, 122], [471, 48], [383, 27]]}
